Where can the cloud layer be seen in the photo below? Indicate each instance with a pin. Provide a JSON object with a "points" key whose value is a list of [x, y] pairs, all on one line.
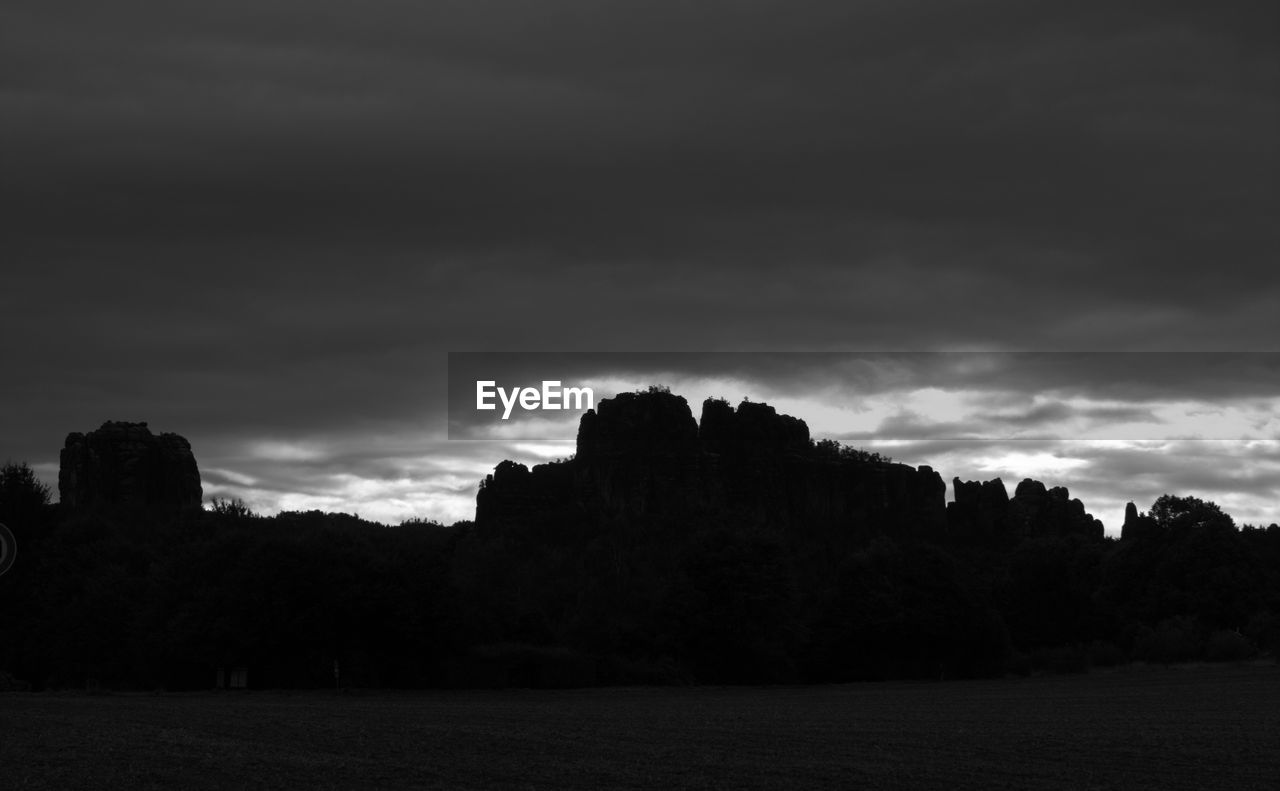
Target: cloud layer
{"points": [[263, 225]]}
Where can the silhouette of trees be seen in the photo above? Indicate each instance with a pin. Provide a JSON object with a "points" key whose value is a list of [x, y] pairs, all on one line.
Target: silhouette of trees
{"points": [[1047, 592], [631, 598], [1183, 514], [832, 450], [233, 508], [734, 613], [24, 498]]}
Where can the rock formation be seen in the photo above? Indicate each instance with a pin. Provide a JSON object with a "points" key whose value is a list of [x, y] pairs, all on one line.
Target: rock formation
{"points": [[124, 465], [642, 457], [1138, 526], [984, 512], [980, 510]]}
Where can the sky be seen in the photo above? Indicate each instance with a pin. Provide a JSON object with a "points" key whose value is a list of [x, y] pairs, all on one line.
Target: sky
{"points": [[265, 225]]}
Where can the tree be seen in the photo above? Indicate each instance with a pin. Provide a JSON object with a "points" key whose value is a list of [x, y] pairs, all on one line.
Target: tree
{"points": [[24, 498], [1182, 514], [232, 508], [831, 450]]}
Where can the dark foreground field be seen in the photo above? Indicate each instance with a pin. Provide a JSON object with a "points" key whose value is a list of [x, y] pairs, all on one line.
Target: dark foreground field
{"points": [[1191, 727]]}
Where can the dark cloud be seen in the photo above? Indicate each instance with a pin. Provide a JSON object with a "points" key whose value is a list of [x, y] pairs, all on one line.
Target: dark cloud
{"points": [[1004, 379], [272, 220]]}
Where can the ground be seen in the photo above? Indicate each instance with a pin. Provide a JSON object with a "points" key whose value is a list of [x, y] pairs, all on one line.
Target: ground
{"points": [[1133, 728]]}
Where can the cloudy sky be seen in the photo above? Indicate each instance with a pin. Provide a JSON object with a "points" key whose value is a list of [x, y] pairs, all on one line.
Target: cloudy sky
{"points": [[264, 225]]}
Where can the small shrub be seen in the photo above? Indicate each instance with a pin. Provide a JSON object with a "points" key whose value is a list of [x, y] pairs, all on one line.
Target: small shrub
{"points": [[1105, 654], [524, 665], [663, 671], [233, 508], [1228, 646], [1062, 659], [1171, 641], [1020, 664], [1263, 630], [10, 684]]}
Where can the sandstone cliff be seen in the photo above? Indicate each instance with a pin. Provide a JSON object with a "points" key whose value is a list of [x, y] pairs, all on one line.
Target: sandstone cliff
{"points": [[984, 512], [124, 465], [642, 458]]}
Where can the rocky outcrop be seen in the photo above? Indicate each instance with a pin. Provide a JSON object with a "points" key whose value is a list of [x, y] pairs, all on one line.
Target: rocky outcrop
{"points": [[984, 512], [639, 453], [1035, 511], [642, 425], [1138, 526], [641, 457], [124, 465], [980, 510], [513, 489], [753, 429]]}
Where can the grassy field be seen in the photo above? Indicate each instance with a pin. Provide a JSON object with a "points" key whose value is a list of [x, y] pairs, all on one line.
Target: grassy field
{"points": [[1153, 728]]}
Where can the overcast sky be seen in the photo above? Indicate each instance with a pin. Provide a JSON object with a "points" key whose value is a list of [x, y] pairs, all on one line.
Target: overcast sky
{"points": [[263, 225]]}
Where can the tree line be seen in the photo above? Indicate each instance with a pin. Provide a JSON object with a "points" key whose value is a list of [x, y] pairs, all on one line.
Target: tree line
{"points": [[138, 600]]}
